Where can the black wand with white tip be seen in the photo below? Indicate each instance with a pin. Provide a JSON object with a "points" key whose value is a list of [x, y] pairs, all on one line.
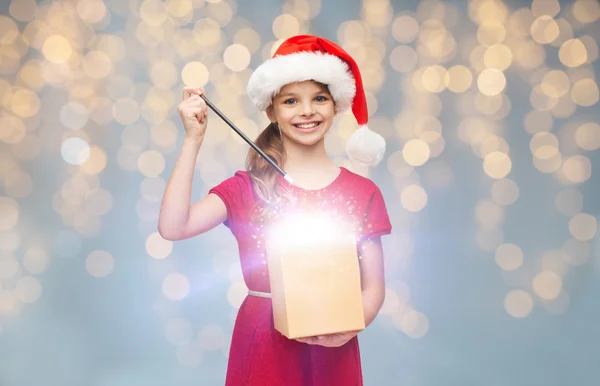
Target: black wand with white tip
{"points": [[248, 140]]}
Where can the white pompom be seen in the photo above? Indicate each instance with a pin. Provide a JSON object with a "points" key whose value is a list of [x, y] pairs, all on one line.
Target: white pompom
{"points": [[366, 146]]}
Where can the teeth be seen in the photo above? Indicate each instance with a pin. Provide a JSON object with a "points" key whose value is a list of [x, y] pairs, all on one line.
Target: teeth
{"points": [[307, 125]]}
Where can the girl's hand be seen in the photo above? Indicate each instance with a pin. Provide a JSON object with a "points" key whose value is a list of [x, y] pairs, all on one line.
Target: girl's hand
{"points": [[331, 340], [193, 112]]}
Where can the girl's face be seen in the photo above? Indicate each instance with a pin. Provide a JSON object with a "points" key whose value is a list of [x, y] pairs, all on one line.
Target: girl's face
{"points": [[304, 112]]}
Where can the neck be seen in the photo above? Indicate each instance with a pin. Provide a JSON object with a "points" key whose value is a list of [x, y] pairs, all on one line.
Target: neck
{"points": [[301, 158]]}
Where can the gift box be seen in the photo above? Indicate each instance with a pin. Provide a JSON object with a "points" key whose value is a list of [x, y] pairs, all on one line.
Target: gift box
{"points": [[314, 275]]}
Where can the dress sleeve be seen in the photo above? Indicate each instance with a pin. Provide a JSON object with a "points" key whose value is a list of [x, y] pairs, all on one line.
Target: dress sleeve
{"points": [[377, 221], [232, 193]]}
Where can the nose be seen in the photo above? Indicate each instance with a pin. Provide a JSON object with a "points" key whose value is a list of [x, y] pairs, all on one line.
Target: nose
{"points": [[308, 109]]}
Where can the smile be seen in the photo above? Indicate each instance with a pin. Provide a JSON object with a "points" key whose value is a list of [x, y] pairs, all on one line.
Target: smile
{"points": [[307, 127]]}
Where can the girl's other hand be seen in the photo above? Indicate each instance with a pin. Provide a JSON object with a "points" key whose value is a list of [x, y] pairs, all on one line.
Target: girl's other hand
{"points": [[330, 340], [193, 112]]}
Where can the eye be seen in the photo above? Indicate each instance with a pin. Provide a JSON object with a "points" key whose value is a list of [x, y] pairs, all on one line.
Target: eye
{"points": [[321, 98], [290, 101]]}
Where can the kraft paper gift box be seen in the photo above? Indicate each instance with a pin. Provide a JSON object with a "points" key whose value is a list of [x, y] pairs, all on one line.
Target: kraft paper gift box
{"points": [[314, 275]]}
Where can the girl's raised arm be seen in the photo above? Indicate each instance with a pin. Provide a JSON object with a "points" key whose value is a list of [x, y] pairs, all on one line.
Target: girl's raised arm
{"points": [[178, 220]]}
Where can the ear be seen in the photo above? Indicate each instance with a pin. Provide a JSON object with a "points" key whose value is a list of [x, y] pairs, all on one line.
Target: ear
{"points": [[271, 114]]}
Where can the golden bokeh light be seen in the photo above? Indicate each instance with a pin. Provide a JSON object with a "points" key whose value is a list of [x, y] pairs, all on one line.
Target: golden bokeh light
{"points": [[237, 293], [549, 8], [488, 214], [285, 25], [236, 57], [25, 103], [509, 257], [28, 289], [163, 74], [220, 11], [157, 247], [30, 74], [125, 111], [416, 152], [519, 23], [179, 8], [491, 32], [555, 83], [458, 79], [36, 260], [9, 213], [97, 64], [490, 144], [151, 163], [405, 28], [529, 54], [403, 58], [175, 286], [544, 29], [565, 32], [587, 136], [583, 226], [249, 38], [57, 49], [558, 305], [99, 263], [74, 115], [543, 145], [413, 198], [91, 11], [18, 184], [195, 74], [9, 31], [577, 169], [414, 324], [153, 12], [99, 202], [572, 53], [518, 303], [540, 100], [75, 150], [504, 192], [585, 92], [480, 11], [491, 82], [12, 129], [207, 32], [591, 48], [96, 161], [586, 11], [433, 78], [569, 202], [576, 252], [497, 56], [497, 165], [547, 285]]}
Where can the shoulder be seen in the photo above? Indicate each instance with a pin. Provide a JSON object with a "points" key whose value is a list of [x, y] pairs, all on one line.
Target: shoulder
{"points": [[240, 182], [356, 181]]}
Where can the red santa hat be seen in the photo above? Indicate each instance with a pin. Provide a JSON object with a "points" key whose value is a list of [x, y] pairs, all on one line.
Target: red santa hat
{"points": [[306, 57]]}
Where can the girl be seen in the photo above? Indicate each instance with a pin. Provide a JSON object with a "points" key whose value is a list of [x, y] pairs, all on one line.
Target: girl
{"points": [[307, 82]]}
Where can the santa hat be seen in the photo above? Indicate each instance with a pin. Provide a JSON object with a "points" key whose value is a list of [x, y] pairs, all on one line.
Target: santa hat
{"points": [[306, 57]]}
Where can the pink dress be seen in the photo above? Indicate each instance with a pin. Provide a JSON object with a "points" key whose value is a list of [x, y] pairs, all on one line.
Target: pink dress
{"points": [[259, 354]]}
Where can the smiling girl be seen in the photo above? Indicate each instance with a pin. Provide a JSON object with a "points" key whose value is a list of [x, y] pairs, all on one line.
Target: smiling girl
{"points": [[308, 81]]}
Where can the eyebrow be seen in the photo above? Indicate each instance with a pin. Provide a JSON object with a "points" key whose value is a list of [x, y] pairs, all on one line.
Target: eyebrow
{"points": [[291, 94]]}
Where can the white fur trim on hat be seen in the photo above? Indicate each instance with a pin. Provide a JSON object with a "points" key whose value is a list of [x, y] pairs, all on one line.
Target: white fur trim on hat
{"points": [[268, 79]]}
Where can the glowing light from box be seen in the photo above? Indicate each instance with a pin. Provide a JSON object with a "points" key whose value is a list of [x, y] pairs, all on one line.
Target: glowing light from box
{"points": [[309, 229]]}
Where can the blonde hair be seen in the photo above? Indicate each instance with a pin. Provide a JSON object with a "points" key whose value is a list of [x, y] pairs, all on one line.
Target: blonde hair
{"points": [[263, 175]]}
